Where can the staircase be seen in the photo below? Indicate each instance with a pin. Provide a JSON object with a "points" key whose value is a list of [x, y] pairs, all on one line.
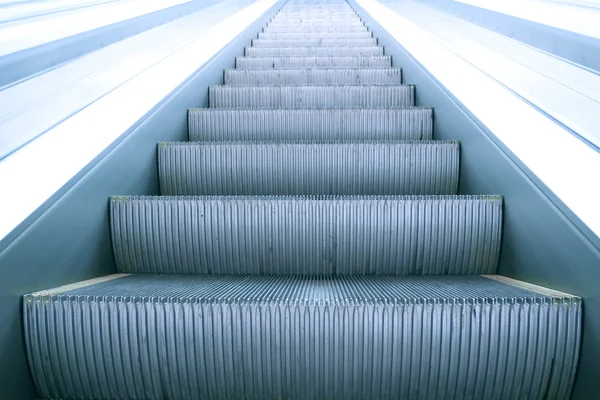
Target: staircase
{"points": [[309, 244]]}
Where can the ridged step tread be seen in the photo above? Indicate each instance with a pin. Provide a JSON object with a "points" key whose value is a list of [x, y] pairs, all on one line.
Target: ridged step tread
{"points": [[298, 168], [319, 14], [292, 24], [309, 29], [242, 62], [311, 96], [205, 124], [313, 51], [325, 42], [306, 235], [315, 76], [317, 20], [315, 35], [269, 337], [304, 16]]}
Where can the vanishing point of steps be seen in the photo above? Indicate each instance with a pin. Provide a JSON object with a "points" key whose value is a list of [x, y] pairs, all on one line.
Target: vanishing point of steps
{"points": [[309, 243]]}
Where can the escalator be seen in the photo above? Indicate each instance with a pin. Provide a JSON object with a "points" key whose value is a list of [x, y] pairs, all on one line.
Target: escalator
{"points": [[309, 242]]}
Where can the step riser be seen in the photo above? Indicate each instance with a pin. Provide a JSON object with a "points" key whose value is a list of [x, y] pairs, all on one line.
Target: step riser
{"points": [[298, 24], [311, 96], [307, 237], [312, 62], [320, 20], [339, 76], [308, 169], [302, 16], [313, 29], [315, 43], [313, 51], [91, 347], [295, 36], [316, 15], [365, 124]]}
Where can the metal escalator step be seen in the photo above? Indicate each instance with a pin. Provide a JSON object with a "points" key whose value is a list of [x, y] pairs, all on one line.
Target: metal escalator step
{"points": [[317, 10], [313, 51], [332, 20], [315, 35], [296, 29], [311, 96], [303, 16], [315, 76], [270, 337], [323, 14], [314, 42], [206, 124], [283, 24], [325, 20], [313, 62], [313, 168], [306, 235]]}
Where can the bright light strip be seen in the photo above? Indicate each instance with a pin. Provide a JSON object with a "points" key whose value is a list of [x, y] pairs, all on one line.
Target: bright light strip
{"points": [[561, 161], [584, 21], [566, 92], [31, 107], [55, 27], [22, 10], [34, 173]]}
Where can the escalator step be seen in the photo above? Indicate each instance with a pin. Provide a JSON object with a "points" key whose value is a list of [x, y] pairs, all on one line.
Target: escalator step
{"points": [[317, 12], [269, 337], [318, 168], [313, 51], [354, 22], [315, 35], [309, 29], [314, 42], [320, 14], [206, 124], [315, 76], [379, 235], [311, 96], [334, 17], [313, 62]]}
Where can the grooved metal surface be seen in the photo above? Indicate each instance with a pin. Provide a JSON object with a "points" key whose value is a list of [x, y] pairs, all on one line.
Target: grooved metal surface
{"points": [[325, 19], [315, 76], [293, 24], [413, 123], [311, 96], [309, 29], [306, 241], [312, 62], [326, 42], [318, 168], [315, 35], [378, 235], [313, 51], [268, 337]]}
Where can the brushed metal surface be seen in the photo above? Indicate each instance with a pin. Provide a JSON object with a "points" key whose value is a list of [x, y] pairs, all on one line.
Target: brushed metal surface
{"points": [[315, 76], [307, 235], [157, 337], [312, 96], [313, 62], [324, 42], [413, 123], [314, 168], [313, 51], [316, 35]]}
